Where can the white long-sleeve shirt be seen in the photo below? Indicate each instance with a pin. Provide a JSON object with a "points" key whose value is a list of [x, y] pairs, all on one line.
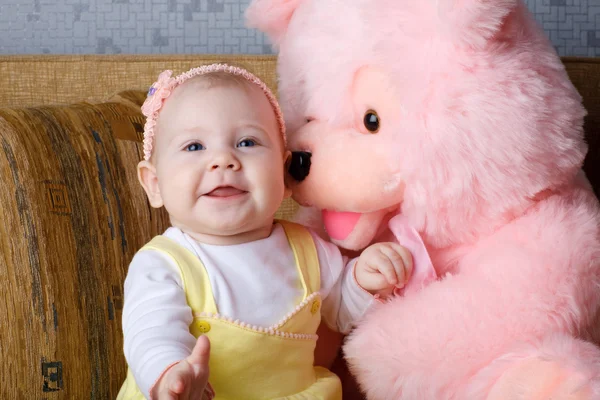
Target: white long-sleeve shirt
{"points": [[256, 282]]}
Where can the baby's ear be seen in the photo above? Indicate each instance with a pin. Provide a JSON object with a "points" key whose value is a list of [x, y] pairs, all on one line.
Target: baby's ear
{"points": [[472, 23], [271, 17], [149, 181]]}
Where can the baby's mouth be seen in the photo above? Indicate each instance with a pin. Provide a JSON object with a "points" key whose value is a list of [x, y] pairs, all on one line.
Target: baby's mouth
{"points": [[225, 191]]}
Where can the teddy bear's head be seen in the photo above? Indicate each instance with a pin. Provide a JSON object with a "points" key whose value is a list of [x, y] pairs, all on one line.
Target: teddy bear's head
{"points": [[456, 113]]}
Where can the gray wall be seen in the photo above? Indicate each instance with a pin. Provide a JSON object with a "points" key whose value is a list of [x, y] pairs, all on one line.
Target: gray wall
{"points": [[210, 26]]}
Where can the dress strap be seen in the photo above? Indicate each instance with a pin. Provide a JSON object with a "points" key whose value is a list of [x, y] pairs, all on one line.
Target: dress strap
{"points": [[193, 274], [305, 254]]}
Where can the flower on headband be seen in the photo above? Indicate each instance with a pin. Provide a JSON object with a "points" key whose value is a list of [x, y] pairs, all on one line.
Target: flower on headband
{"points": [[160, 90]]}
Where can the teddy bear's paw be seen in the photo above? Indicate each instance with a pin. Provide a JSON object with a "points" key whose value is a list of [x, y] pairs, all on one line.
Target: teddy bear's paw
{"points": [[542, 379], [557, 367]]}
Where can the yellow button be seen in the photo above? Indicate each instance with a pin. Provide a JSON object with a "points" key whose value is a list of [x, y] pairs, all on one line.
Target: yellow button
{"points": [[203, 326], [315, 306]]}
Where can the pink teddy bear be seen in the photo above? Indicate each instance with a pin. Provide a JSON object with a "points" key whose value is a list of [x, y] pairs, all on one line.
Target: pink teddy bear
{"points": [[454, 118]]}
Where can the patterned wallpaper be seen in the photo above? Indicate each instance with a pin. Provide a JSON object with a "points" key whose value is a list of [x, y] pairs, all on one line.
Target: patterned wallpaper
{"points": [[210, 26]]}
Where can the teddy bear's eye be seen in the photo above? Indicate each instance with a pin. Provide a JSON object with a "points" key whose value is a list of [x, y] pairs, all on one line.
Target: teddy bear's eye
{"points": [[372, 121]]}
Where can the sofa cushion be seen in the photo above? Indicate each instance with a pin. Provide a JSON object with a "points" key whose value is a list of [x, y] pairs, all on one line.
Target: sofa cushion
{"points": [[72, 217], [585, 75]]}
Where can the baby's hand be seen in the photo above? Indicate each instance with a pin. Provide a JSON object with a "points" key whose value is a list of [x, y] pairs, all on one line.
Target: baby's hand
{"points": [[188, 379], [382, 267]]}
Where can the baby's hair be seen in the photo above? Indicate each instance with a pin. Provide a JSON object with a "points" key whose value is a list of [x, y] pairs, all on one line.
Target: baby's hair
{"points": [[213, 74]]}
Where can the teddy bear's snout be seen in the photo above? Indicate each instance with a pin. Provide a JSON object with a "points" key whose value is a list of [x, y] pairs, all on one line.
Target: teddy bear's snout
{"points": [[299, 165]]}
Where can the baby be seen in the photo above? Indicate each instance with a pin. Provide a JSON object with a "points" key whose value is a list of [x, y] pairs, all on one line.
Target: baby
{"points": [[227, 271]]}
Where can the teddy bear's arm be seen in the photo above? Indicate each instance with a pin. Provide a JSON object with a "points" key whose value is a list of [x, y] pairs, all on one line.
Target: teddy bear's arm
{"points": [[531, 282]]}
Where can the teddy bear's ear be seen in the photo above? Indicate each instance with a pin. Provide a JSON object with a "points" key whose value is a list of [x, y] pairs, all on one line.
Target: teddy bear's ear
{"points": [[473, 22], [271, 17]]}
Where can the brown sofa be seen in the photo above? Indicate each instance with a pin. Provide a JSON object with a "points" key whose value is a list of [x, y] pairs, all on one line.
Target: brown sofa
{"points": [[72, 214]]}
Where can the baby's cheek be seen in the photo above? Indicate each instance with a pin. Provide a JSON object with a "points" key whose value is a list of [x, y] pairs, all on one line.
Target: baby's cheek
{"points": [[272, 181]]}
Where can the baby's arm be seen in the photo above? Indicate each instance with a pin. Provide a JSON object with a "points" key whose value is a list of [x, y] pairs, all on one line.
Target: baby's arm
{"points": [[156, 319], [344, 301], [347, 286]]}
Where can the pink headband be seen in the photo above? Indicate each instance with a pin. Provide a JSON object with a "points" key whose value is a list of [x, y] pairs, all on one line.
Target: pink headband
{"points": [[162, 88]]}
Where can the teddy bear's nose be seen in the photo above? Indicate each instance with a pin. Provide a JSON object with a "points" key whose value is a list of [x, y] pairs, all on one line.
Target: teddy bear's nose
{"points": [[299, 165]]}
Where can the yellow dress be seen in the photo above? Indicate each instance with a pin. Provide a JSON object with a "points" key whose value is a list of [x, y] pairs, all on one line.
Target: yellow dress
{"points": [[249, 362]]}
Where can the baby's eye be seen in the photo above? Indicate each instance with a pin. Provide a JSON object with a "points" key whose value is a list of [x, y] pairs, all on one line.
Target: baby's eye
{"points": [[247, 143], [194, 147]]}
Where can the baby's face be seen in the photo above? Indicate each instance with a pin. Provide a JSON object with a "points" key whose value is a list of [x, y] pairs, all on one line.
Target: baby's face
{"points": [[219, 159]]}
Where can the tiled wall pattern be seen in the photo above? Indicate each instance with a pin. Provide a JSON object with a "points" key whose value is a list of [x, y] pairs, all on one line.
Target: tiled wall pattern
{"points": [[210, 26]]}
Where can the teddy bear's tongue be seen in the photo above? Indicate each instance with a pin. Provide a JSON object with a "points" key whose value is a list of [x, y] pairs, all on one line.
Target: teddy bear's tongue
{"points": [[339, 224]]}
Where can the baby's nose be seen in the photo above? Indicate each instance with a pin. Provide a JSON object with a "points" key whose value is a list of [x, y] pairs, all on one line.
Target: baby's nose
{"points": [[225, 161], [299, 165]]}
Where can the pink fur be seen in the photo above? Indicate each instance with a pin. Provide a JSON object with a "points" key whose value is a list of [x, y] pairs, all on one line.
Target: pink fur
{"points": [[271, 17], [480, 148]]}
